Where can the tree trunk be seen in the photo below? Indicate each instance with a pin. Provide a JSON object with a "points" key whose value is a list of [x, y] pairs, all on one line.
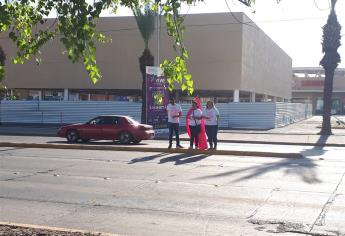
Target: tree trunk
{"points": [[330, 44], [327, 103], [146, 59]]}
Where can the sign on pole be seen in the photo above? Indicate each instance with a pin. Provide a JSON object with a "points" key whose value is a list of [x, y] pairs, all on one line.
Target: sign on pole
{"points": [[157, 97]]}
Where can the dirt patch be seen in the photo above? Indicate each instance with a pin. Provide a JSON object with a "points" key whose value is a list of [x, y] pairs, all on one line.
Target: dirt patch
{"points": [[8, 230]]}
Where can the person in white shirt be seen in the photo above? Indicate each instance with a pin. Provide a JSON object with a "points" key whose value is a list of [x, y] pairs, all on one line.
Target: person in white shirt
{"points": [[174, 113], [211, 115], [194, 125]]}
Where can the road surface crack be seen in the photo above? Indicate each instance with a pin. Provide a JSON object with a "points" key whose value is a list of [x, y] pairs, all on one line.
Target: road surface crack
{"points": [[321, 219], [263, 204]]}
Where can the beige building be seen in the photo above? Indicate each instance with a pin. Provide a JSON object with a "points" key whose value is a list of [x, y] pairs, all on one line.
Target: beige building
{"points": [[228, 60], [308, 84]]}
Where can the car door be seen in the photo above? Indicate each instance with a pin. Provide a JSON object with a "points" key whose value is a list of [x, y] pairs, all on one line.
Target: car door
{"points": [[93, 129], [111, 127]]}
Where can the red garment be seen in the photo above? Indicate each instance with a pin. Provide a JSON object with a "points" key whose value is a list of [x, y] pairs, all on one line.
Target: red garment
{"points": [[202, 135]]}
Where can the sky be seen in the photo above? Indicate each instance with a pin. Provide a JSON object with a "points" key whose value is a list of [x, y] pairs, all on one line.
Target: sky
{"points": [[295, 25]]}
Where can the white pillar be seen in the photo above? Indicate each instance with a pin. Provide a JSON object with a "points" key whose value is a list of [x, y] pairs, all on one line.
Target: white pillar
{"points": [[236, 95], [65, 94], [89, 97], [252, 97], [265, 98], [40, 95], [274, 99]]}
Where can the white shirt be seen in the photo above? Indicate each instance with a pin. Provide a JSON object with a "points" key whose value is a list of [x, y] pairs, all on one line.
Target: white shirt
{"points": [[173, 110], [211, 116], [197, 114]]}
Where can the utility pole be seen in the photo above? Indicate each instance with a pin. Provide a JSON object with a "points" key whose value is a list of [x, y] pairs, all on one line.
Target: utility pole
{"points": [[158, 31]]}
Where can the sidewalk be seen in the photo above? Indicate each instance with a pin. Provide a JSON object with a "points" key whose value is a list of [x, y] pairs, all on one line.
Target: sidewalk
{"points": [[301, 133]]}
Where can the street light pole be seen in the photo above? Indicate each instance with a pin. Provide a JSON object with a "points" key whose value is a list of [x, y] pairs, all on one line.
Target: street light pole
{"points": [[158, 32]]}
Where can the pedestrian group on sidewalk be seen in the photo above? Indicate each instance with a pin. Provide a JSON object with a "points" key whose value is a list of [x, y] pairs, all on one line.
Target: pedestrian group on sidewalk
{"points": [[199, 123]]}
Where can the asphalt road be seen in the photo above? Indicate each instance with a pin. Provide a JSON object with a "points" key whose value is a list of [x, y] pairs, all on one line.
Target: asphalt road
{"points": [[174, 194]]}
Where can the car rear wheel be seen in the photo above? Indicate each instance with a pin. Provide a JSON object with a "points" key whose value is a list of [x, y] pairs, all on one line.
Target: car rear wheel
{"points": [[85, 140], [72, 136], [125, 138]]}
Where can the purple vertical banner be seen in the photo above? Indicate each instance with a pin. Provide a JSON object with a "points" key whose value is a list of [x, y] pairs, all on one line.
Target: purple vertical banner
{"points": [[157, 97]]}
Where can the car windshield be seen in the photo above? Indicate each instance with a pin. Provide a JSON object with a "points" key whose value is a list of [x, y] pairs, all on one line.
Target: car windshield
{"points": [[132, 121]]}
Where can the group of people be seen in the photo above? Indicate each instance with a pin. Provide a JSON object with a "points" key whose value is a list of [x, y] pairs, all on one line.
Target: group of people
{"points": [[199, 123]]}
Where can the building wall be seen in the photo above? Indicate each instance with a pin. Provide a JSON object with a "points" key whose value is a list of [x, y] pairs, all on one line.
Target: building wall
{"points": [[118, 62], [214, 42], [224, 56], [266, 68]]}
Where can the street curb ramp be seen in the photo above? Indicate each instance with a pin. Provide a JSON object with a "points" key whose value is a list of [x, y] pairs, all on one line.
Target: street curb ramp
{"points": [[149, 149]]}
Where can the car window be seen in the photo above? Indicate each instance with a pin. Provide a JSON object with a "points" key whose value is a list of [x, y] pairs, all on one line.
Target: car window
{"points": [[132, 121], [111, 120], [97, 121]]}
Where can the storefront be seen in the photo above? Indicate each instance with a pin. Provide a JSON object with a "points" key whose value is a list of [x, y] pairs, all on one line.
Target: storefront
{"points": [[308, 86]]}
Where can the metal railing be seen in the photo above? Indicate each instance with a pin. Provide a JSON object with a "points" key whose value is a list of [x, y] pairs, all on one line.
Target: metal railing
{"points": [[233, 115]]}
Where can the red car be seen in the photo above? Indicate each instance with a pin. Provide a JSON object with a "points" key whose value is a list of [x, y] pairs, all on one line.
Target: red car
{"points": [[122, 128]]}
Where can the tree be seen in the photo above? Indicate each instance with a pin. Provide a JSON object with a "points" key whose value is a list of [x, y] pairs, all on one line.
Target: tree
{"points": [[25, 23], [2, 62], [146, 24], [330, 44]]}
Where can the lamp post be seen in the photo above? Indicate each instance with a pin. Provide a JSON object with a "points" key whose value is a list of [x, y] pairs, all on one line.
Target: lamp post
{"points": [[158, 30]]}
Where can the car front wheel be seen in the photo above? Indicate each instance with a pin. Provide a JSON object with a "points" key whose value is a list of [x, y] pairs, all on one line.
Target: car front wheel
{"points": [[72, 136], [136, 141], [125, 138]]}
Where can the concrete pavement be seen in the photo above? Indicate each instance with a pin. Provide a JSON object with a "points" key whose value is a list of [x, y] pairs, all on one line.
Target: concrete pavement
{"points": [[300, 133]]}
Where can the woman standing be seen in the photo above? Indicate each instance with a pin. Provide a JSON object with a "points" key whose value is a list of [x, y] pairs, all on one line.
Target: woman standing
{"points": [[194, 121], [211, 115]]}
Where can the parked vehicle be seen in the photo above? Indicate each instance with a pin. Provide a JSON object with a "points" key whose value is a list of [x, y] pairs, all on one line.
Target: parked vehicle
{"points": [[109, 127]]}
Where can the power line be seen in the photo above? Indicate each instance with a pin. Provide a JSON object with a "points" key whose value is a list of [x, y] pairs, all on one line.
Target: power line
{"points": [[234, 16], [214, 24], [323, 9]]}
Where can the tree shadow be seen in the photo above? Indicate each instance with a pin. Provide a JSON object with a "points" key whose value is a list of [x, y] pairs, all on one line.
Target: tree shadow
{"points": [[147, 158], [318, 149], [303, 167], [183, 158]]}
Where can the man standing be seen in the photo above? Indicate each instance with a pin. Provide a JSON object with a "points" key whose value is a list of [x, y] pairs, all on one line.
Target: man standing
{"points": [[174, 113]]}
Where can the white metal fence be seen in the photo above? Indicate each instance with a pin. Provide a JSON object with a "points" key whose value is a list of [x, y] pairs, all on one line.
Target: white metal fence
{"points": [[233, 115]]}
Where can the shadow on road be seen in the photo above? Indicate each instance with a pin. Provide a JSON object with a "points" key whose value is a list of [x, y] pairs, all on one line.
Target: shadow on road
{"points": [[303, 167], [98, 143], [317, 150], [179, 159], [184, 158], [148, 158]]}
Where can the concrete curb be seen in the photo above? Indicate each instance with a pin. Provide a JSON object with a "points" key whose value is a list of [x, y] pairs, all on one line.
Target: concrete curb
{"points": [[150, 149], [68, 230]]}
